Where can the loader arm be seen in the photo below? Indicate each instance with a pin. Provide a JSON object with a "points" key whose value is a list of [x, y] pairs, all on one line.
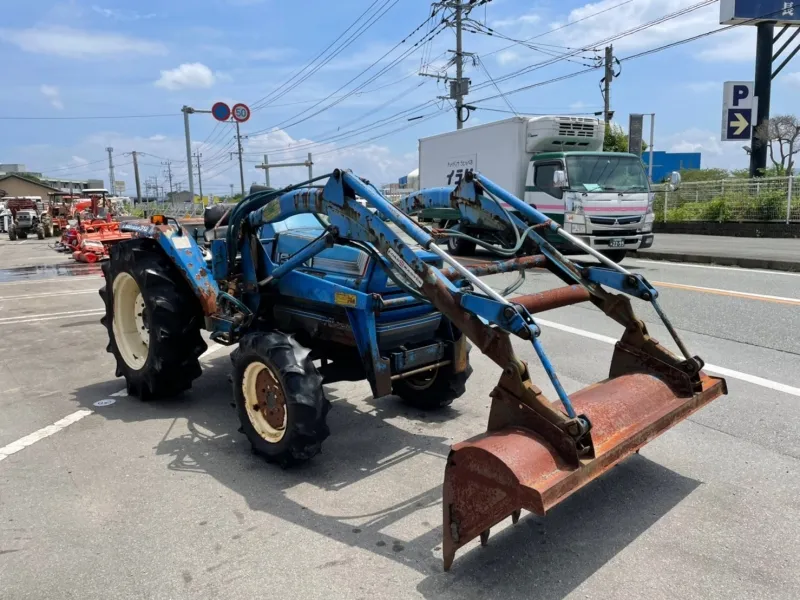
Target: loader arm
{"points": [[536, 451]]}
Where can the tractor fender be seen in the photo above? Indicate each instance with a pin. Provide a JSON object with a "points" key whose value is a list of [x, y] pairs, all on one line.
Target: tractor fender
{"points": [[185, 254]]}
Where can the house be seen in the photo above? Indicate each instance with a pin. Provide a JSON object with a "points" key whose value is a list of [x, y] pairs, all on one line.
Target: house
{"points": [[15, 185]]}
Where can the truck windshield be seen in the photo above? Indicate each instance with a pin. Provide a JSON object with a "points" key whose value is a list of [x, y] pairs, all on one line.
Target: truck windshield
{"points": [[606, 173]]}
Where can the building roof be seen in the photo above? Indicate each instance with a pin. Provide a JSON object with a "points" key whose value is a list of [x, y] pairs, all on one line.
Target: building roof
{"points": [[33, 181]]}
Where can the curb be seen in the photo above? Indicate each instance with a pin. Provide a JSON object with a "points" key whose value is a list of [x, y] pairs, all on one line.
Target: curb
{"points": [[728, 261]]}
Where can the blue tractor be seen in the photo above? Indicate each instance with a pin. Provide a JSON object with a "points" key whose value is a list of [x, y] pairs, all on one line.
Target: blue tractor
{"points": [[333, 274]]}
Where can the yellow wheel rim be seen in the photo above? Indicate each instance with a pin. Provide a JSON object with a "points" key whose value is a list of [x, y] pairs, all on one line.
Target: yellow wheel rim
{"points": [[130, 323], [265, 402]]}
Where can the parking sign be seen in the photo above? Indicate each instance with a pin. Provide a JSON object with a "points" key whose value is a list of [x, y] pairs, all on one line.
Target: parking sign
{"points": [[738, 110]]}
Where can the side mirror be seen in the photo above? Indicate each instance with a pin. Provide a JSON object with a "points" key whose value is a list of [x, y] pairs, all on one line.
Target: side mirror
{"points": [[560, 179], [674, 180]]}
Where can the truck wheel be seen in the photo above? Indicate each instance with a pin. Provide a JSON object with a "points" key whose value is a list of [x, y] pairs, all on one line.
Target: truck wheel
{"points": [[40, 232], [153, 321], [279, 397], [433, 390], [460, 246], [12, 233], [616, 255]]}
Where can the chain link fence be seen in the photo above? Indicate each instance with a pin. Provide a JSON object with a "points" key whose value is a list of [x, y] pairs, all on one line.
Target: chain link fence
{"points": [[176, 209], [730, 200]]}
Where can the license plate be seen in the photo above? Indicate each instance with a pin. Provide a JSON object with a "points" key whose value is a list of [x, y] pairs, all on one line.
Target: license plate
{"points": [[617, 243]]}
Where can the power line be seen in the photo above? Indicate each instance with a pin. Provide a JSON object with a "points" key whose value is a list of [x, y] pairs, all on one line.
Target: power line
{"points": [[370, 21], [88, 118]]}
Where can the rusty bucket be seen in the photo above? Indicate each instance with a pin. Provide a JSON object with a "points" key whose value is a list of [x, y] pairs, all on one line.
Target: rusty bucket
{"points": [[494, 475]]}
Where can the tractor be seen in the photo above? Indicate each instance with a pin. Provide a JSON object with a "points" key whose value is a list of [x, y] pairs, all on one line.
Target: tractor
{"points": [[27, 218], [313, 286]]}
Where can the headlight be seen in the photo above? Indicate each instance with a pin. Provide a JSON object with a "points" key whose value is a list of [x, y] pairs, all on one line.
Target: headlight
{"points": [[576, 228], [648, 222], [651, 198]]}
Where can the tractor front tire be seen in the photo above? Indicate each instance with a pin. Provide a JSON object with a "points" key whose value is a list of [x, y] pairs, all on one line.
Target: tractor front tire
{"points": [[460, 247], [435, 389], [40, 232], [279, 398], [153, 321], [12, 233]]}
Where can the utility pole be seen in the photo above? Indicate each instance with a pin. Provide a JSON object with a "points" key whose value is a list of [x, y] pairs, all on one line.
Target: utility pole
{"points": [[241, 167], [765, 41], [231, 191], [168, 163], [609, 75], [459, 69], [199, 178], [306, 163], [266, 170], [111, 187], [136, 175], [187, 110]]}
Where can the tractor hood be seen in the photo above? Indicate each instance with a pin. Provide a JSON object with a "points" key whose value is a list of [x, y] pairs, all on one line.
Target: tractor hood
{"points": [[355, 266]]}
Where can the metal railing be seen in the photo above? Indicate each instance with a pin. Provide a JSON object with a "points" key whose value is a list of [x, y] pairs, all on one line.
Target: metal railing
{"points": [[171, 209], [729, 200]]}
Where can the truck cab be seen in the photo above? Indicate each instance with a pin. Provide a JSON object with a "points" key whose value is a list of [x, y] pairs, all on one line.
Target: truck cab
{"points": [[556, 164]]}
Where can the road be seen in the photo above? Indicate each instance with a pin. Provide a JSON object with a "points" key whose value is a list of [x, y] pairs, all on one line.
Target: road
{"points": [[165, 500]]}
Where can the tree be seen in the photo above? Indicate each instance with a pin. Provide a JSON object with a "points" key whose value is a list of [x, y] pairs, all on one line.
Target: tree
{"points": [[688, 175], [782, 131], [616, 140]]}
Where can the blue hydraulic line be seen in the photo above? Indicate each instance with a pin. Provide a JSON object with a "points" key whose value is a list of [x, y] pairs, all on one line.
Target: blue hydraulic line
{"points": [[551, 373]]}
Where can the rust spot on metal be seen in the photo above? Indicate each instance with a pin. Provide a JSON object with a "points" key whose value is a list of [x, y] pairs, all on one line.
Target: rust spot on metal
{"points": [[551, 299], [537, 261]]}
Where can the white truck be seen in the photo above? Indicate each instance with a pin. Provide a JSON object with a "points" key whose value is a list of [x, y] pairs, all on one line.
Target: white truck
{"points": [[554, 163]]}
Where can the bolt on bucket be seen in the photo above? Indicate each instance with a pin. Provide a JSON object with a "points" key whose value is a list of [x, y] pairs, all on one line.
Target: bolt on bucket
{"points": [[496, 474]]}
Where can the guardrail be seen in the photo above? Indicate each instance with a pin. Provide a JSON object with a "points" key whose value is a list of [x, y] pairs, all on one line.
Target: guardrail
{"points": [[729, 200]]}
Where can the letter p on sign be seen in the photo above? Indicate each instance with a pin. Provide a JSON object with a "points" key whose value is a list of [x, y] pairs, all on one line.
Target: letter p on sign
{"points": [[740, 92]]}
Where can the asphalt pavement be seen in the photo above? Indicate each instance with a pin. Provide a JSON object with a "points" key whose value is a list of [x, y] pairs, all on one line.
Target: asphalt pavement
{"points": [[751, 253], [131, 499]]}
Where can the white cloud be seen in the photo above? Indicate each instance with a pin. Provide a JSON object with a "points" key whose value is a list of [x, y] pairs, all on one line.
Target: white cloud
{"points": [[68, 42], [188, 75], [121, 15], [529, 19], [52, 93], [736, 45], [507, 57]]}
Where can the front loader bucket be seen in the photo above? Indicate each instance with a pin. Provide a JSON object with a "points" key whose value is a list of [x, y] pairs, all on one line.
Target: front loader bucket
{"points": [[494, 475]]}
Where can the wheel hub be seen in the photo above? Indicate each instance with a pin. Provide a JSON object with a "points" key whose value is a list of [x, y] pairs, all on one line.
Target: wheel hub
{"points": [[271, 402], [265, 402], [142, 320]]}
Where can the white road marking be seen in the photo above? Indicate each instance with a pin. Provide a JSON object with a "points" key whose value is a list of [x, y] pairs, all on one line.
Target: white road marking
{"points": [[64, 315], [754, 379], [22, 242], [48, 295], [42, 433], [715, 267], [211, 349], [65, 279], [734, 293]]}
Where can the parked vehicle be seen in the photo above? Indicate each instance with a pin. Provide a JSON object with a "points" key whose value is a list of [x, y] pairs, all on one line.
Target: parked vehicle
{"points": [[27, 218], [557, 165]]}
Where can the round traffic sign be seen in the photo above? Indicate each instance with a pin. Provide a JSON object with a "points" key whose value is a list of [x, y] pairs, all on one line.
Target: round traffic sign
{"points": [[241, 112], [221, 111]]}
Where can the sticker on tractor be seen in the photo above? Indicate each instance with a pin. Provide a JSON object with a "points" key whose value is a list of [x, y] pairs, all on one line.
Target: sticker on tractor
{"points": [[181, 242], [344, 299], [404, 267], [271, 210]]}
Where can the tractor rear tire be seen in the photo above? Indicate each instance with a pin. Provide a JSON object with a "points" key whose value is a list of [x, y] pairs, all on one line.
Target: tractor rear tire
{"points": [[460, 247], [40, 232], [279, 398], [157, 348], [433, 390], [12, 233]]}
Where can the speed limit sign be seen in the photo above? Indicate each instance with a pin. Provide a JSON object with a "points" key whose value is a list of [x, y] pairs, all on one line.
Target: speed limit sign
{"points": [[240, 112]]}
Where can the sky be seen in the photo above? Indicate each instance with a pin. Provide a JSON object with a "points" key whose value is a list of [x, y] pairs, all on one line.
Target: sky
{"points": [[110, 58]]}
